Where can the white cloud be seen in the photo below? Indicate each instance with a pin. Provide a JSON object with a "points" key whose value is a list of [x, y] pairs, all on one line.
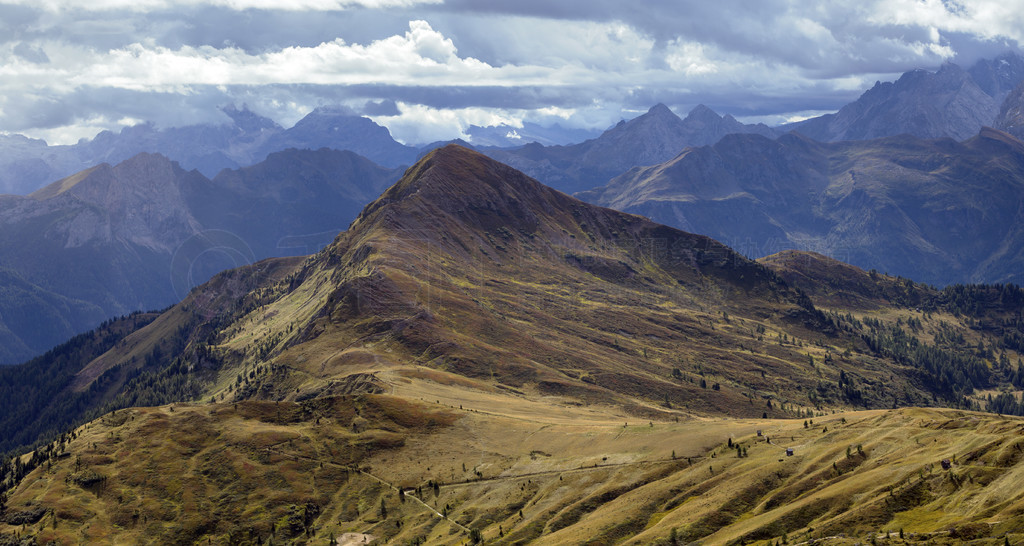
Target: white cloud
{"points": [[582, 65], [418, 124], [421, 56], [159, 5], [689, 58], [984, 18], [72, 133]]}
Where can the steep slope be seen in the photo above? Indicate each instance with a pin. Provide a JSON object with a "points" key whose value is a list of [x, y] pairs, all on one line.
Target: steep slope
{"points": [[656, 136], [469, 267], [138, 235], [1011, 113], [481, 357], [945, 103], [32, 317], [312, 195], [934, 211], [1000, 75]]}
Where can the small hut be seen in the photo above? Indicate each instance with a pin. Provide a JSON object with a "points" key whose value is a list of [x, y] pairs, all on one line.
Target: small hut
{"points": [[789, 452], [946, 464]]}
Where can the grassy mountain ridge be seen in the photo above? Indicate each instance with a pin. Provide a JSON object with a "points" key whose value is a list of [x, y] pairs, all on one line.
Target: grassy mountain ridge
{"points": [[529, 368]]}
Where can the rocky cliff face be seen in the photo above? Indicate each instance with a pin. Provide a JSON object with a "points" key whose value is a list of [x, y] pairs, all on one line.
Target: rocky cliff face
{"points": [[1011, 113], [340, 130], [1000, 75], [946, 103], [139, 202]]}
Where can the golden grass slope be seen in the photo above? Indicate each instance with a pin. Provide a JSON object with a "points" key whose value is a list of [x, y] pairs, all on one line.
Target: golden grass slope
{"points": [[302, 473], [563, 374]]}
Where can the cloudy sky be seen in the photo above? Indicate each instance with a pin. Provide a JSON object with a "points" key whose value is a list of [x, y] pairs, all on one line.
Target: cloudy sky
{"points": [[427, 69]]}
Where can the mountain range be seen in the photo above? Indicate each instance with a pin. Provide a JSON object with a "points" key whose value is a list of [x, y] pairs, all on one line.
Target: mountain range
{"points": [[138, 235], [936, 211], [243, 139], [480, 357], [951, 102], [654, 137], [124, 234]]}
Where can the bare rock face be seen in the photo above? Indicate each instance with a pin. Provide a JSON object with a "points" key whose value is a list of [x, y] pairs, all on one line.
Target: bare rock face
{"points": [[1011, 114], [138, 202], [946, 103], [341, 130], [1000, 75]]}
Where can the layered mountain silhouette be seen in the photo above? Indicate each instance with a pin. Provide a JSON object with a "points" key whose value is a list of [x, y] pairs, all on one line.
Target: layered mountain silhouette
{"points": [[244, 138], [935, 211], [488, 346], [140, 234], [951, 103], [654, 137]]}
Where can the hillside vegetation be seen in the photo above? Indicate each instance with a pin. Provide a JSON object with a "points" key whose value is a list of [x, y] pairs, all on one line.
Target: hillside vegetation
{"points": [[525, 368]]}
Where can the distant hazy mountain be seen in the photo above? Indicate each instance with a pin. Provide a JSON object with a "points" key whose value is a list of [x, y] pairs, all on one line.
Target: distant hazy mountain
{"points": [[656, 136], [947, 103], [139, 235], [1011, 113], [951, 102], [341, 130], [207, 148], [1000, 75], [244, 139], [26, 164], [935, 211]]}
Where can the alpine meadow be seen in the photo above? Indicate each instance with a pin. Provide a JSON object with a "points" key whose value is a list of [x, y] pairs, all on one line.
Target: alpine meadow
{"points": [[434, 272]]}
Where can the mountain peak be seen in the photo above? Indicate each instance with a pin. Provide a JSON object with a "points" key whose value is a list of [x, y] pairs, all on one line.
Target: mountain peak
{"points": [[247, 120], [703, 113], [454, 173], [661, 110], [130, 169]]}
